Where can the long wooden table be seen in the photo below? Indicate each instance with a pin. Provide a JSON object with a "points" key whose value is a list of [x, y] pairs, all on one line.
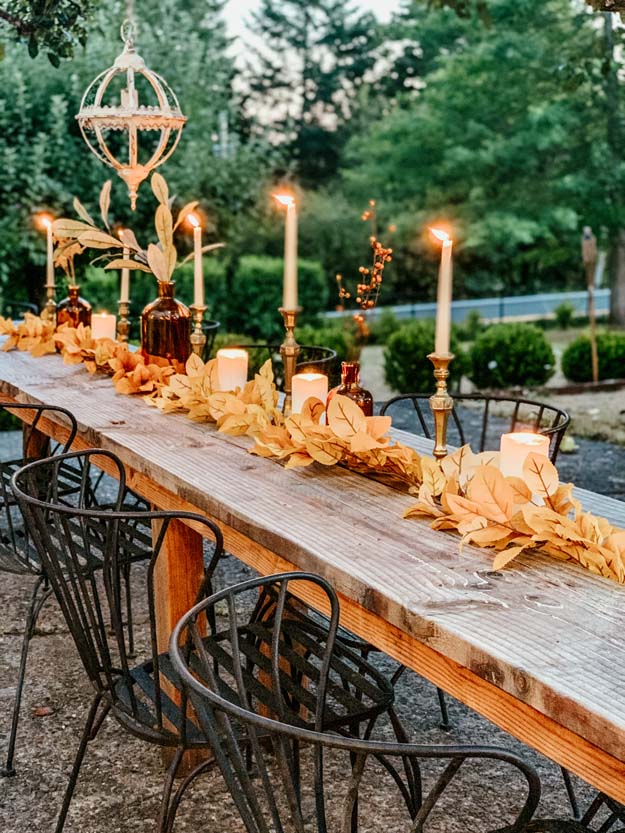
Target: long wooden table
{"points": [[537, 648]]}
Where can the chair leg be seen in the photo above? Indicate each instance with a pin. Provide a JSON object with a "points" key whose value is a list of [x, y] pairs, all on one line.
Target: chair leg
{"points": [[87, 735], [168, 818], [445, 725], [37, 601], [163, 817], [570, 791], [131, 633]]}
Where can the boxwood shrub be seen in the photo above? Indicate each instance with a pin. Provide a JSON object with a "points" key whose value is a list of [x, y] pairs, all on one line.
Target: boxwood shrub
{"points": [[511, 356], [406, 366], [576, 361]]}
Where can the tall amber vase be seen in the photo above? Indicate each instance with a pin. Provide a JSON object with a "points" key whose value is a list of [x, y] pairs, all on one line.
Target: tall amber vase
{"points": [[166, 329], [350, 387], [73, 310]]}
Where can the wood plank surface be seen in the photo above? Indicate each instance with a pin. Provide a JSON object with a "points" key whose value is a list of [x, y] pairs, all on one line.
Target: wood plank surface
{"points": [[537, 648]]}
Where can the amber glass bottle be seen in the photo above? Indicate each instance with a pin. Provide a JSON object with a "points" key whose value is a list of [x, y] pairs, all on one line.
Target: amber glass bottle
{"points": [[350, 386], [166, 329], [73, 310]]}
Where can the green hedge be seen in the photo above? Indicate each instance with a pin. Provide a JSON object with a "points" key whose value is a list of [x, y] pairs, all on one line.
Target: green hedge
{"points": [[406, 366], [255, 295], [576, 360], [511, 355]]}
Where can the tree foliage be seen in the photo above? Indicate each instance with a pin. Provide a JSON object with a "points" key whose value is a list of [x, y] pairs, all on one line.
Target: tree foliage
{"points": [[56, 26]]}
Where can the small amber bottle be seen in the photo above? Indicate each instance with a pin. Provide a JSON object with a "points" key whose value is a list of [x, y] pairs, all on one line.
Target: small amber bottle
{"points": [[350, 387], [73, 310]]}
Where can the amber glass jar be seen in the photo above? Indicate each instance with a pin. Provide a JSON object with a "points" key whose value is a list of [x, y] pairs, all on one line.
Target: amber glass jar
{"points": [[350, 386], [73, 310], [166, 329]]}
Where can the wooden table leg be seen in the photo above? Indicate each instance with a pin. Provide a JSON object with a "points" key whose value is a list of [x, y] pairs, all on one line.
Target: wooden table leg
{"points": [[36, 444], [178, 574]]}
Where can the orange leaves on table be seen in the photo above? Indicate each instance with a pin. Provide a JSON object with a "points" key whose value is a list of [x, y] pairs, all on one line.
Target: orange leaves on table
{"points": [[131, 376], [32, 334]]}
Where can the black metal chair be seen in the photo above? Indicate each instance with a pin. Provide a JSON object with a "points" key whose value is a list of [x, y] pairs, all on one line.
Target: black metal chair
{"points": [[259, 739], [309, 360], [209, 328], [18, 553], [16, 309], [142, 697], [605, 812], [479, 419]]}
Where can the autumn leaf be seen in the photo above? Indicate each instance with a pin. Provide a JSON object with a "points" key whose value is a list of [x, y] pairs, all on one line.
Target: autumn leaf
{"points": [[540, 475], [433, 477], [299, 459], [326, 452], [82, 212], [345, 418], [159, 188], [105, 202], [492, 493], [312, 411], [503, 558], [157, 263], [184, 213], [378, 426]]}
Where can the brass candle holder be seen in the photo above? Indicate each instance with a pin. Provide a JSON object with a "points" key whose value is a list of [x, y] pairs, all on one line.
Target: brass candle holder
{"points": [[289, 350], [48, 313], [198, 338], [441, 402], [123, 323]]}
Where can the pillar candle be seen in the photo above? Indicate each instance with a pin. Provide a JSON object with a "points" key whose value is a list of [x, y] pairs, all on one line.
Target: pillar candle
{"points": [[103, 325], [289, 287], [305, 385], [124, 289], [515, 449], [443, 301], [231, 368]]}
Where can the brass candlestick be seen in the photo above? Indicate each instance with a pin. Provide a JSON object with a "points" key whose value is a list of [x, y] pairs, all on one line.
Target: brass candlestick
{"points": [[441, 402], [198, 339], [48, 313], [289, 351], [123, 324]]}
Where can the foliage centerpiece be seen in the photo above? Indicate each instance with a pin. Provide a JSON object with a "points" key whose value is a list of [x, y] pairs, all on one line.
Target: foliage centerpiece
{"points": [[165, 323]]}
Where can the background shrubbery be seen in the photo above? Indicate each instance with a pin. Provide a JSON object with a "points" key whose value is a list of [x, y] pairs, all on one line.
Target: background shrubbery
{"points": [[576, 360], [510, 356], [406, 366]]}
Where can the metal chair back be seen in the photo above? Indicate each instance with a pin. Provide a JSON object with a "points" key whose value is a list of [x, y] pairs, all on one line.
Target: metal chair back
{"points": [[273, 764], [17, 551], [76, 533], [480, 420]]}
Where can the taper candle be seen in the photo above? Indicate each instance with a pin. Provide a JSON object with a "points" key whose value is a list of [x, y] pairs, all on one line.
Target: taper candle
{"points": [[289, 288], [231, 368], [198, 274], [46, 222], [443, 301]]}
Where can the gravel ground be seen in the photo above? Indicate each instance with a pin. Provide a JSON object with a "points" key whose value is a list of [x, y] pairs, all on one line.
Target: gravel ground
{"points": [[121, 779]]}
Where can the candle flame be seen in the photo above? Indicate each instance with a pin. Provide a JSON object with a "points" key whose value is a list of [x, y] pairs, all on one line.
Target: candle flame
{"points": [[284, 199], [193, 220], [440, 234], [44, 220]]}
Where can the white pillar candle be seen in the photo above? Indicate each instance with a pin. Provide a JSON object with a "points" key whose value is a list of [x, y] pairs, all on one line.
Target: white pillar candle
{"points": [[103, 325], [515, 449], [49, 252], [305, 385], [289, 288], [124, 287], [231, 368], [443, 300], [198, 274]]}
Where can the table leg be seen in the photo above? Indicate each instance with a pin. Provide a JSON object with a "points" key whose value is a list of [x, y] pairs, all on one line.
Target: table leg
{"points": [[178, 574], [36, 445]]}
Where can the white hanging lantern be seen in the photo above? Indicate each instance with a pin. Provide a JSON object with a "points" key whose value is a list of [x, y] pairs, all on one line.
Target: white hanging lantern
{"points": [[97, 118]]}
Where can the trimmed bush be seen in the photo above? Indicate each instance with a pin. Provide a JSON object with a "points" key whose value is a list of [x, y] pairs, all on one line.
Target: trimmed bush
{"points": [[576, 360], [256, 293], [406, 366], [511, 356], [340, 338], [384, 326], [564, 314]]}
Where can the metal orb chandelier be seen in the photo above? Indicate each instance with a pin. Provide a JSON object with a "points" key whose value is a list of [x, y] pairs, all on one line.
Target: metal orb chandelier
{"points": [[99, 120]]}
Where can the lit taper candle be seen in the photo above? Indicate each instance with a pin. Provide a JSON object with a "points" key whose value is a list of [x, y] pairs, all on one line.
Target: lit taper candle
{"points": [[289, 290], [443, 301], [45, 222], [198, 274]]}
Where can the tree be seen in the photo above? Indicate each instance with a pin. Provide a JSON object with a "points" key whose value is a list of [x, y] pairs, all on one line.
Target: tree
{"points": [[313, 59], [504, 137], [57, 26]]}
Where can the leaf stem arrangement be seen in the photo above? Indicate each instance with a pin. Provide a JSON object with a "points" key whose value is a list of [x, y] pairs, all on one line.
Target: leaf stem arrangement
{"points": [[159, 259], [465, 492]]}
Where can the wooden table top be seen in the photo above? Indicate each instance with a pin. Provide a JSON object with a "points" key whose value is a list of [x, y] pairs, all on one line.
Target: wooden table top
{"points": [[550, 634]]}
